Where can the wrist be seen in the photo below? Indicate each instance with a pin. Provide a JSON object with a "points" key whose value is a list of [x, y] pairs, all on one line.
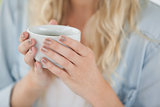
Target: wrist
{"points": [[31, 82], [97, 95], [24, 93], [97, 99], [104, 96]]}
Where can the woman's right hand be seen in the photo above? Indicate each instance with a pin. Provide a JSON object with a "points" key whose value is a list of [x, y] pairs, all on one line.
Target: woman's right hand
{"points": [[29, 88], [37, 76]]}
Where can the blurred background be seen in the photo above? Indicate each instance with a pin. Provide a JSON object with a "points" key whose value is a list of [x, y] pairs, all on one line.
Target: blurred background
{"points": [[156, 1]]}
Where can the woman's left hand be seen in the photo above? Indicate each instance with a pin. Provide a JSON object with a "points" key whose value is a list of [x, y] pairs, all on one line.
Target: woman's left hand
{"points": [[80, 72]]}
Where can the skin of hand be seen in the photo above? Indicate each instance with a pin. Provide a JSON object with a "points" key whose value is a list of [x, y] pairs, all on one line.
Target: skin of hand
{"points": [[80, 72], [27, 48], [27, 90]]}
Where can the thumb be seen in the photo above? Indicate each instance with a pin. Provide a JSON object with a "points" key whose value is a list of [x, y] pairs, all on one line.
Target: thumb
{"points": [[53, 22], [38, 67]]}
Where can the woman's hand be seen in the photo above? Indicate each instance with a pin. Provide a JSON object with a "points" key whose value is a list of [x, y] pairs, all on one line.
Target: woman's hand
{"points": [[79, 71], [29, 88], [37, 74]]}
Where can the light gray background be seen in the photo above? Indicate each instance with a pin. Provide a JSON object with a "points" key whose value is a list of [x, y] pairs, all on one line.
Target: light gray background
{"points": [[156, 1]]}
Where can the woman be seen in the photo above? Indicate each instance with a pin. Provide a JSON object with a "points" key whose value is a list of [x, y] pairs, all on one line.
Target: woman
{"points": [[113, 66]]}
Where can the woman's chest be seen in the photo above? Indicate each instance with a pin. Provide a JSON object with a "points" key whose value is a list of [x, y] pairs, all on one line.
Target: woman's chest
{"points": [[59, 95]]}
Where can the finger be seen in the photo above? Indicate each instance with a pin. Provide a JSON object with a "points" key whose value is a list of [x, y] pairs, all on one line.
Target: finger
{"points": [[75, 45], [53, 22], [39, 70], [26, 45], [38, 67], [29, 57], [41, 74], [23, 37], [66, 64], [62, 50], [55, 70]]}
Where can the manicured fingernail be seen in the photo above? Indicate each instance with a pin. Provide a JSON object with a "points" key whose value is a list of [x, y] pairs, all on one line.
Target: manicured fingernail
{"points": [[38, 67], [30, 51], [48, 41], [62, 38], [30, 41], [23, 36], [44, 49], [53, 22], [44, 61]]}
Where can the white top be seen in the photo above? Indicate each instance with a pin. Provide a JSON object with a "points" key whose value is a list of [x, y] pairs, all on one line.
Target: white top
{"points": [[59, 95]]}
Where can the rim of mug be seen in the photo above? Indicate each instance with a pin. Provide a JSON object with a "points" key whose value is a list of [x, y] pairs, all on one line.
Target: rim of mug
{"points": [[30, 32]]}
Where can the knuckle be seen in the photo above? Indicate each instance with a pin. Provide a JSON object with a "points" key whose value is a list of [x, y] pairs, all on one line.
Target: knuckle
{"points": [[65, 64], [20, 49], [70, 55], [56, 46]]}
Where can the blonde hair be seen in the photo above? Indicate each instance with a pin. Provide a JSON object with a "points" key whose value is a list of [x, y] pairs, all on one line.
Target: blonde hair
{"points": [[103, 32]]}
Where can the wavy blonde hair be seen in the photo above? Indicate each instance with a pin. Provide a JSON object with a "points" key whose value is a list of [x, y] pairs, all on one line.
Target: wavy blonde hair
{"points": [[103, 32]]}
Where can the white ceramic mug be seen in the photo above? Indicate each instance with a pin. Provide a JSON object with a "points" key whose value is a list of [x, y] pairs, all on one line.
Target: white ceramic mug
{"points": [[39, 33]]}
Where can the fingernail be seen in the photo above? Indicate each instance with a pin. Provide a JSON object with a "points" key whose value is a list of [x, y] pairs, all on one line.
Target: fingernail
{"points": [[62, 38], [44, 61], [48, 42], [30, 51], [30, 41], [23, 36], [53, 22], [38, 68], [44, 49]]}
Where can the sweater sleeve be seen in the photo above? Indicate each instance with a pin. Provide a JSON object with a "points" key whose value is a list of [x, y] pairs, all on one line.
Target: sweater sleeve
{"points": [[5, 94], [148, 94], [7, 61]]}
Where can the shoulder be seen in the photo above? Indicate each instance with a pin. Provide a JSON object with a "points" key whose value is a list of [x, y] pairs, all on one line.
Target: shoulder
{"points": [[10, 9], [149, 22], [13, 14], [12, 3]]}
